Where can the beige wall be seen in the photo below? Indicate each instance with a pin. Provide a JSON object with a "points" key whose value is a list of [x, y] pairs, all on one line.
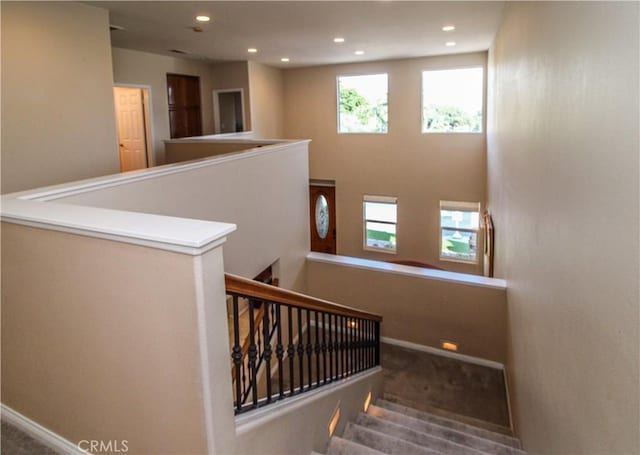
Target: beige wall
{"points": [[58, 118], [563, 190], [135, 67], [89, 327], [232, 75], [419, 169], [267, 100], [265, 195], [418, 310]]}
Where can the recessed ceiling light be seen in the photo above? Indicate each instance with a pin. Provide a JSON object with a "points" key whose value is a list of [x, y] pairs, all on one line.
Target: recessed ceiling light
{"points": [[338, 39], [359, 52], [252, 50], [448, 28], [284, 59], [203, 18], [450, 43]]}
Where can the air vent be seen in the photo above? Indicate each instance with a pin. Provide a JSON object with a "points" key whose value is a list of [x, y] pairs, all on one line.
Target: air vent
{"points": [[115, 27]]}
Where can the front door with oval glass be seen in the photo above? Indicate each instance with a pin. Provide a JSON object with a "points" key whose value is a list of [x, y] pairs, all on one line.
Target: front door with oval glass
{"points": [[323, 218]]}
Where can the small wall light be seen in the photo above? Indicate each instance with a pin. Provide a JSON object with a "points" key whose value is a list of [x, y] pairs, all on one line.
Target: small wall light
{"points": [[367, 402], [449, 345], [334, 421]]}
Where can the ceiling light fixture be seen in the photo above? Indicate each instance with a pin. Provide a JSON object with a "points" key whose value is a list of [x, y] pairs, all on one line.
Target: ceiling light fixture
{"points": [[252, 50], [359, 52], [338, 39], [448, 28], [450, 43], [203, 18], [284, 59]]}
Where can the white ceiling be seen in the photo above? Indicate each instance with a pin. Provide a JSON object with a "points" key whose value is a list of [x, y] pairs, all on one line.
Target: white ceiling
{"points": [[304, 30]]}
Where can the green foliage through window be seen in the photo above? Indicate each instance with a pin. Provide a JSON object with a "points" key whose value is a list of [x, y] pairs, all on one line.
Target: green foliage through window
{"points": [[452, 101], [362, 104]]}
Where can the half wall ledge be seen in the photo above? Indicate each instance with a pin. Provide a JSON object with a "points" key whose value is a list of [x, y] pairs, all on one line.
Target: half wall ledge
{"points": [[416, 272]]}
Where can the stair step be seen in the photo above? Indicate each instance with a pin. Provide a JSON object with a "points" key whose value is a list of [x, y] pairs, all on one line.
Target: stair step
{"points": [[419, 438], [383, 442], [424, 407], [451, 423], [340, 446], [434, 430]]}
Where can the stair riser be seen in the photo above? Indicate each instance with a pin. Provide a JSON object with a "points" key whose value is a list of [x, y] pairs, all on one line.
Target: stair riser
{"points": [[448, 423], [437, 431], [384, 443], [415, 437]]}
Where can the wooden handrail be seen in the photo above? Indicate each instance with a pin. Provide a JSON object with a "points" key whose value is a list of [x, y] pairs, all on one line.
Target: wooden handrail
{"points": [[261, 291]]}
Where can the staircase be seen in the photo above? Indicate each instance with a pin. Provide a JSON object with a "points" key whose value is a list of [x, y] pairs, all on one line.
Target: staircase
{"points": [[392, 428]]}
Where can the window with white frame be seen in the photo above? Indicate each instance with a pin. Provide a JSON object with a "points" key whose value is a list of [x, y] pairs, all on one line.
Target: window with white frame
{"points": [[459, 225], [452, 101], [380, 223], [362, 104]]}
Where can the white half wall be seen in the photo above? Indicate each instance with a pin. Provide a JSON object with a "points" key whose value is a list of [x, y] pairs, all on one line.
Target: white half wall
{"points": [[264, 192]]}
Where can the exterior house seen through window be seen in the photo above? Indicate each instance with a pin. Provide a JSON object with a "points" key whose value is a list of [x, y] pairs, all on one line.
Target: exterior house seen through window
{"points": [[459, 224], [380, 222], [362, 104], [452, 101]]}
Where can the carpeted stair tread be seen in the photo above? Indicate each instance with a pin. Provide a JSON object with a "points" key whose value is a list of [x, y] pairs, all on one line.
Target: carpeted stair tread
{"points": [[446, 433], [416, 437], [425, 407], [340, 446], [383, 442], [450, 422]]}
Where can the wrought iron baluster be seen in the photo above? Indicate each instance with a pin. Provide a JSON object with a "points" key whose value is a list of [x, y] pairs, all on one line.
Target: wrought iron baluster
{"points": [[237, 352], [324, 349], [290, 350], [343, 344], [279, 348], [300, 350], [253, 355], [309, 348], [316, 349], [377, 341], [267, 348], [330, 346]]}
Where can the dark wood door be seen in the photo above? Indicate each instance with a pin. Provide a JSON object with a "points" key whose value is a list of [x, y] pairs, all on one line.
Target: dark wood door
{"points": [[184, 105], [322, 200]]}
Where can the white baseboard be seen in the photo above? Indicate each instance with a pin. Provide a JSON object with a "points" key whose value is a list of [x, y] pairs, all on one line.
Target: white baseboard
{"points": [[39, 433], [443, 353]]}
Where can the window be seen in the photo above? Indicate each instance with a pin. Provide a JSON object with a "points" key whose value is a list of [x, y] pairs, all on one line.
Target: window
{"points": [[459, 224], [362, 104], [452, 101], [380, 220]]}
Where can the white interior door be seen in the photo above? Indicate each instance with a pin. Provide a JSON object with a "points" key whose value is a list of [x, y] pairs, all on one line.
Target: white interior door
{"points": [[131, 128]]}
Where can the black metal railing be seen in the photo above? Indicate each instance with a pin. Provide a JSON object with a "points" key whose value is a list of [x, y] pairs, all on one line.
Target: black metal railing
{"points": [[285, 343]]}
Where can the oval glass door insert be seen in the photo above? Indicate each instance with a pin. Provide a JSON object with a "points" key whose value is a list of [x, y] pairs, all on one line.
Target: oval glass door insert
{"points": [[322, 216]]}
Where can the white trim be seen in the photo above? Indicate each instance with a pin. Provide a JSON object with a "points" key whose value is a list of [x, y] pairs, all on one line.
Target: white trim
{"points": [[506, 390], [39, 433], [216, 108], [381, 199], [405, 270], [181, 235], [443, 353], [253, 419], [203, 342]]}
